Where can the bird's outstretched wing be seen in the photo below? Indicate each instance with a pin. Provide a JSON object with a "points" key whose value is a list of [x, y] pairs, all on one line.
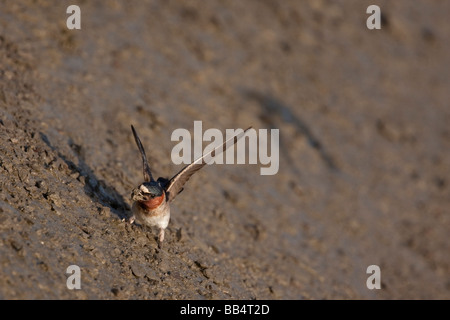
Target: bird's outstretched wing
{"points": [[145, 166], [175, 185]]}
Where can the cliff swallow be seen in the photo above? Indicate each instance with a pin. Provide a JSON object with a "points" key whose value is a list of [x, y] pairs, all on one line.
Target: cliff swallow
{"points": [[151, 199]]}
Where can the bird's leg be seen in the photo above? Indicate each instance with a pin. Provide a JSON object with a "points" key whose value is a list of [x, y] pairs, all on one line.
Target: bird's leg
{"points": [[160, 237]]}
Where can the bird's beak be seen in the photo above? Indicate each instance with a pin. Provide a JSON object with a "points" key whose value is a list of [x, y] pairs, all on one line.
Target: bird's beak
{"points": [[137, 195]]}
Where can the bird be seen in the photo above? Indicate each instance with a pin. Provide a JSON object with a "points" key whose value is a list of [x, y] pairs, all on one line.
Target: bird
{"points": [[152, 198]]}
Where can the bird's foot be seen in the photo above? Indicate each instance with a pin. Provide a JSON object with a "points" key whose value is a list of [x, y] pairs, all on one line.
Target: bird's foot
{"points": [[130, 220]]}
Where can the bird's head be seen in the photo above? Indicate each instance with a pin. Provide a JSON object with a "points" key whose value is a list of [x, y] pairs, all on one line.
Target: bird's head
{"points": [[147, 191]]}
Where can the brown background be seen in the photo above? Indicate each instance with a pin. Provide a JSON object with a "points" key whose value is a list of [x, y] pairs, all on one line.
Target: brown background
{"points": [[364, 153]]}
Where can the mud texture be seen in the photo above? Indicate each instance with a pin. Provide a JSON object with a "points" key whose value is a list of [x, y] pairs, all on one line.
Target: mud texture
{"points": [[364, 122]]}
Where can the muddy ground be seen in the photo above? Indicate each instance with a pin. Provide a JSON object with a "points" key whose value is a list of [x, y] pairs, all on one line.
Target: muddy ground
{"points": [[364, 123]]}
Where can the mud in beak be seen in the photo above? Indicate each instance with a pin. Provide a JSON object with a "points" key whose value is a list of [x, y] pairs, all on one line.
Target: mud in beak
{"points": [[137, 195]]}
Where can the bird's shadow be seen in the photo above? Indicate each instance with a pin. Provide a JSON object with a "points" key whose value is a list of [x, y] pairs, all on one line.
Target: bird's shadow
{"points": [[274, 112], [98, 190]]}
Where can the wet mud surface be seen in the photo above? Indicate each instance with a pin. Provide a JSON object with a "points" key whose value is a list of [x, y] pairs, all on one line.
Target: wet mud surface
{"points": [[364, 149]]}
